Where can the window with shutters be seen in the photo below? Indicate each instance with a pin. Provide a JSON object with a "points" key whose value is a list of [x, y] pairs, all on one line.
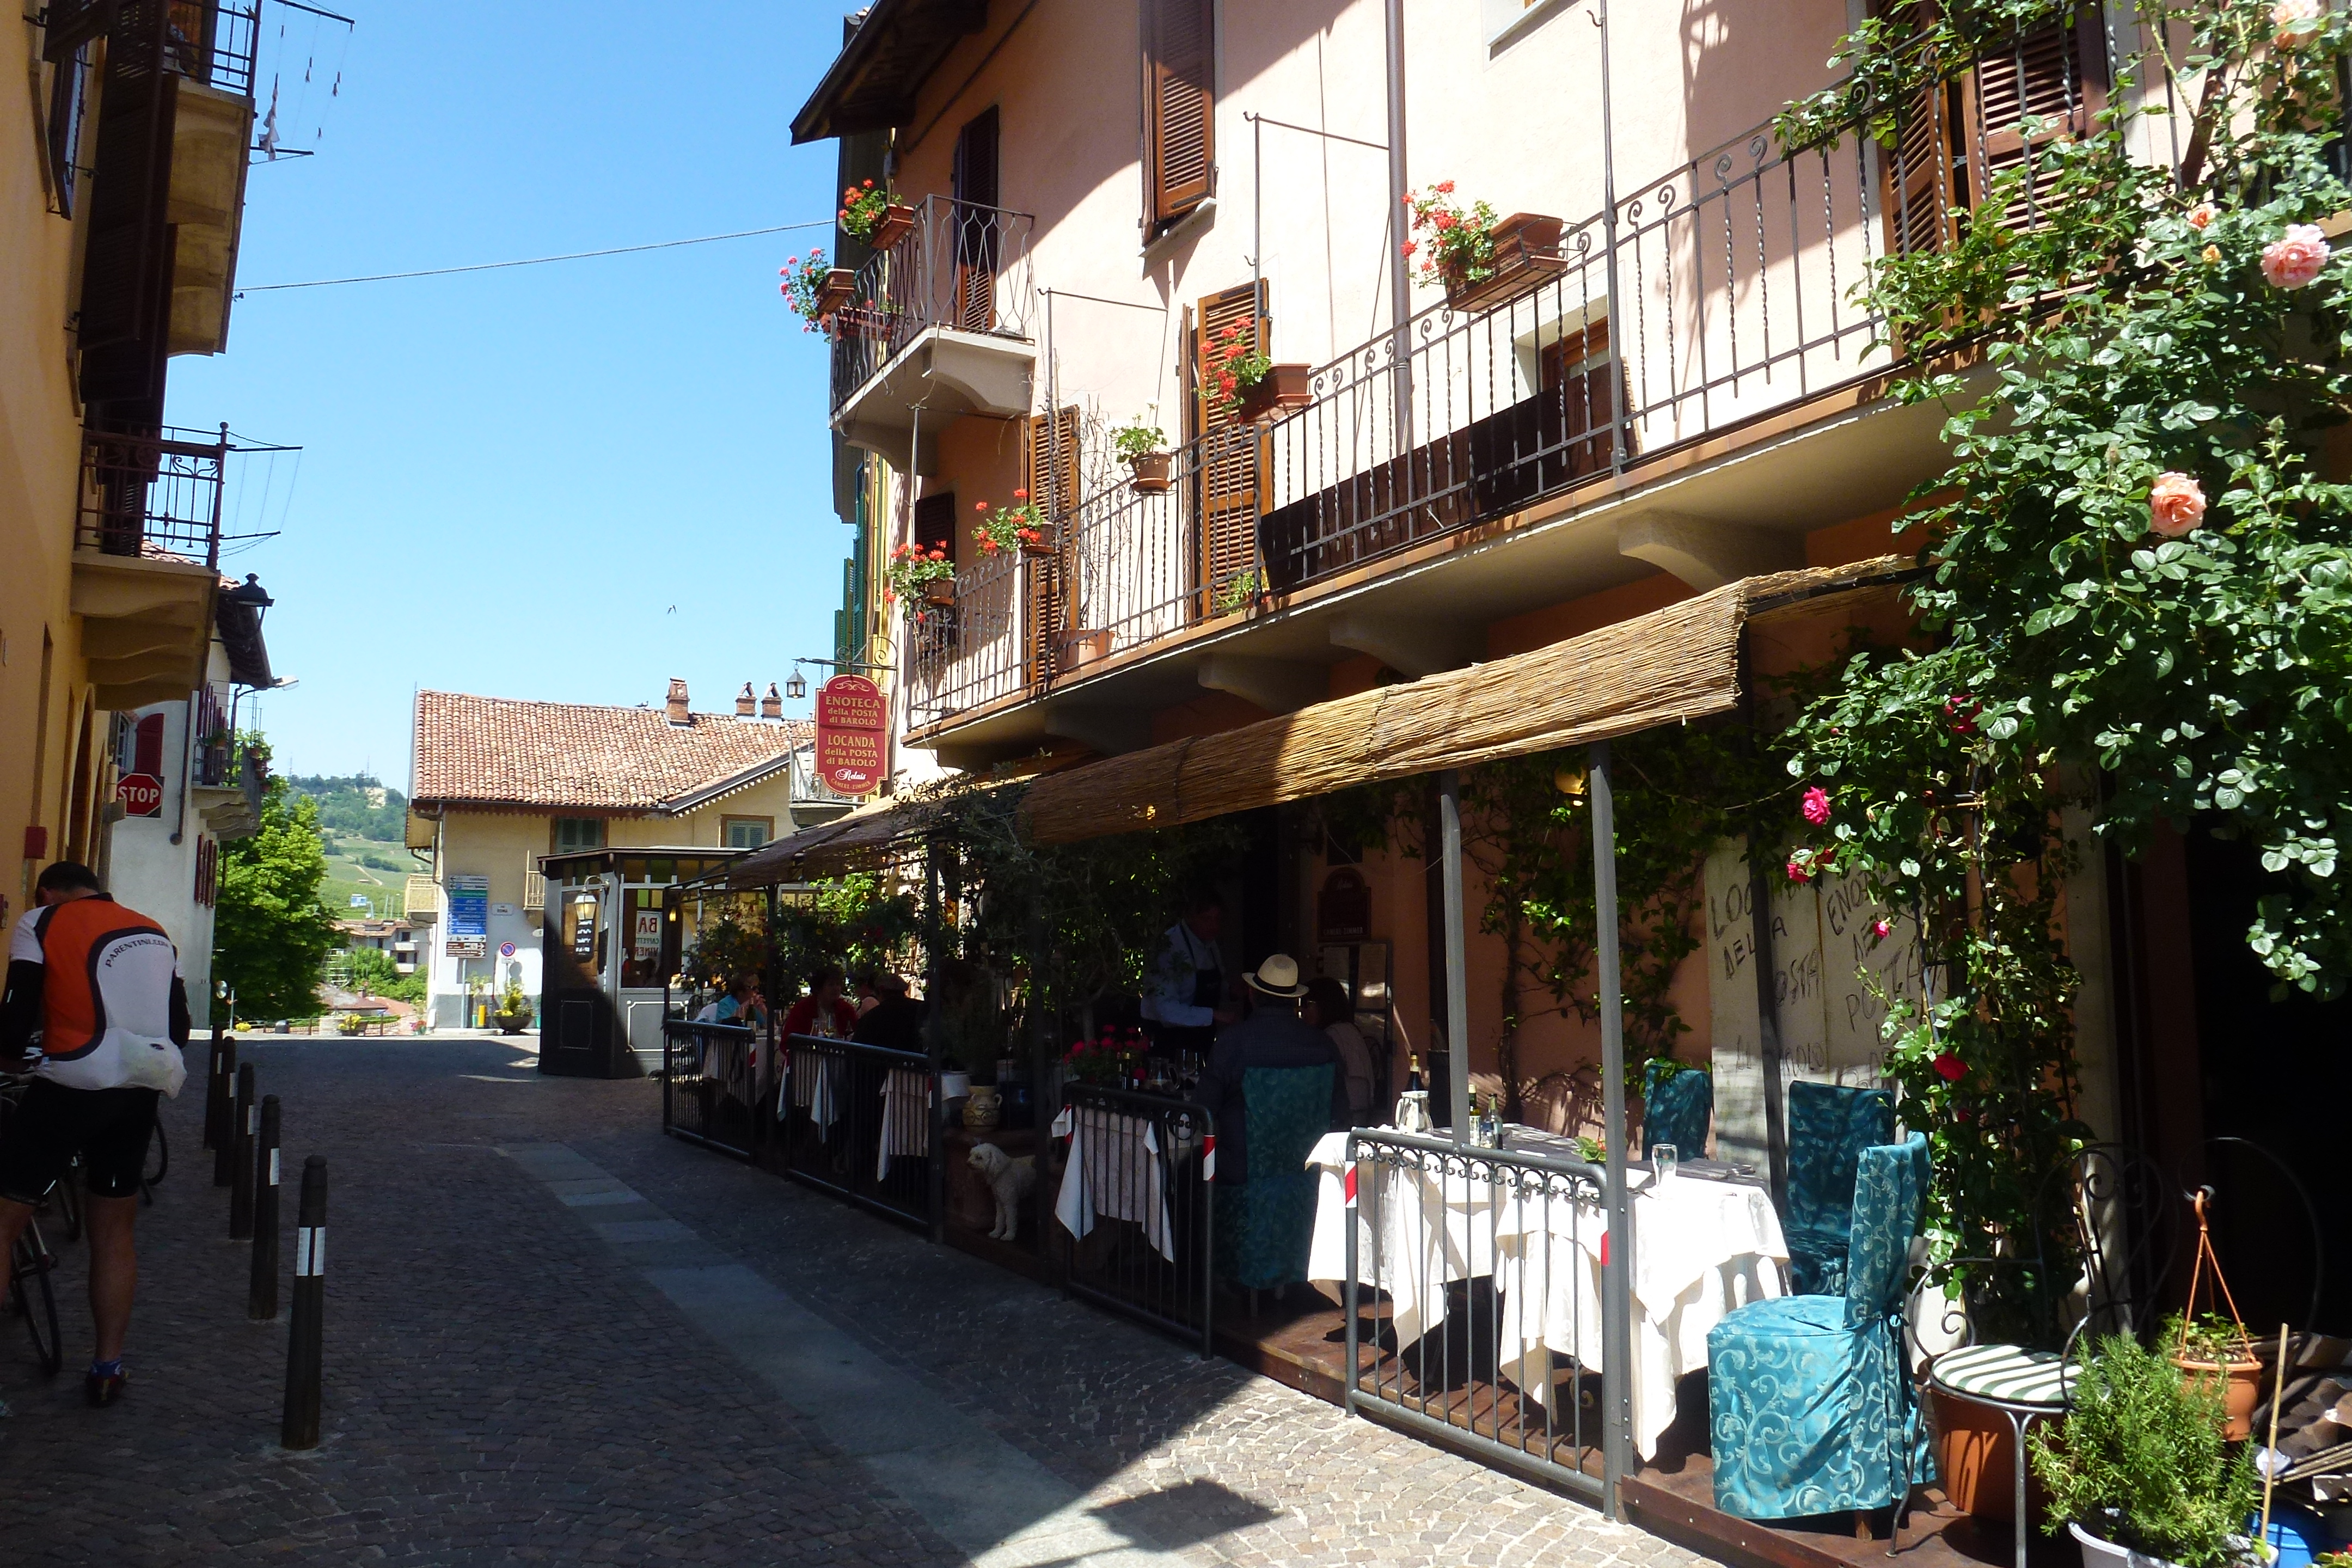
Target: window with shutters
{"points": [[1049, 472], [935, 523], [1179, 130], [979, 222], [126, 296], [574, 833], [1969, 130], [1231, 451], [69, 105]]}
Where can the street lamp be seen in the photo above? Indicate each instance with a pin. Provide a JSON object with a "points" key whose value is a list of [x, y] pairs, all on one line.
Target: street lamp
{"points": [[797, 687]]}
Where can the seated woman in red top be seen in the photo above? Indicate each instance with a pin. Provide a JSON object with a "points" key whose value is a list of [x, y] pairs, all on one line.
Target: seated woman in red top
{"points": [[824, 1011]]}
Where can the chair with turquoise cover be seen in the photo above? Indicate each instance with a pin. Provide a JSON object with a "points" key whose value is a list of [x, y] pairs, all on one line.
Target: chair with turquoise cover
{"points": [[1678, 1104], [1265, 1223], [1810, 1403], [1829, 1127]]}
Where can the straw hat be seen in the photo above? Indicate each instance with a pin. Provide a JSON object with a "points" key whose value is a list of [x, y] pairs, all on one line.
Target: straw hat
{"points": [[1277, 976]]}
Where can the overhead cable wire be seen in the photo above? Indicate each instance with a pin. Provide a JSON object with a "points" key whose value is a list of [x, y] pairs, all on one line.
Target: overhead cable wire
{"points": [[533, 260]]}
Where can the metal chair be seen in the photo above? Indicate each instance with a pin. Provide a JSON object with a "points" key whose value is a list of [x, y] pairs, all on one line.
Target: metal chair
{"points": [[2116, 1216]]}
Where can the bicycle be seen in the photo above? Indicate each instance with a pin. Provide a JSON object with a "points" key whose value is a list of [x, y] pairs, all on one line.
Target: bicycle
{"points": [[158, 1166], [32, 1297]]}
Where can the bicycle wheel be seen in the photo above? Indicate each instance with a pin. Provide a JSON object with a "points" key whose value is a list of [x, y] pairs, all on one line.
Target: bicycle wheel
{"points": [[68, 1196], [159, 1158], [29, 1284]]}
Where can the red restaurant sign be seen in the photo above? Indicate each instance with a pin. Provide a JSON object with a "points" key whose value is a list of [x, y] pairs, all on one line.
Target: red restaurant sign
{"points": [[851, 720]]}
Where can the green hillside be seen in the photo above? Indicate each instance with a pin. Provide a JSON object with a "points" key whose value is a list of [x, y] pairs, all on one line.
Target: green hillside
{"points": [[360, 818]]}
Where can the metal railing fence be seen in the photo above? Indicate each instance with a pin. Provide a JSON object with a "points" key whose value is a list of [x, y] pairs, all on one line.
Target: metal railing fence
{"points": [[148, 495], [856, 1121], [710, 1089], [1147, 1205], [1479, 1276], [959, 266]]}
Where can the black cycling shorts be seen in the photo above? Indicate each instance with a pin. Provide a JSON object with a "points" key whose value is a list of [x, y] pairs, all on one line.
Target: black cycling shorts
{"points": [[108, 1128]]}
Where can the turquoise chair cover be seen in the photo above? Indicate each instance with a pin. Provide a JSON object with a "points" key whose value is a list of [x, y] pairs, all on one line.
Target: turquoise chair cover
{"points": [[1810, 1405], [1675, 1109], [1267, 1222], [1829, 1127]]}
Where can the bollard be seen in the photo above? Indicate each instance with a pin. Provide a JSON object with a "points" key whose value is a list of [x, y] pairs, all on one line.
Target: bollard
{"points": [[214, 1083], [240, 1153], [262, 1295], [217, 1107], [304, 1345]]}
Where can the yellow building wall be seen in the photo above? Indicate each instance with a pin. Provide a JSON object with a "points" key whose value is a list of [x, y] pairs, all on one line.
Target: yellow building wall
{"points": [[504, 845], [40, 454]]}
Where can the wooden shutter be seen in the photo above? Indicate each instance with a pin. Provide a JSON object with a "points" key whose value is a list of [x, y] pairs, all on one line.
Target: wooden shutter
{"points": [[978, 239], [1049, 472], [1231, 451], [126, 273], [2057, 75], [935, 523], [1180, 129]]}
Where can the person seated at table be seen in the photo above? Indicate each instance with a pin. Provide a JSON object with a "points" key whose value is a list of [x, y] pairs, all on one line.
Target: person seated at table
{"points": [[741, 1005], [824, 1011], [895, 1020], [1328, 1008], [1272, 1036]]}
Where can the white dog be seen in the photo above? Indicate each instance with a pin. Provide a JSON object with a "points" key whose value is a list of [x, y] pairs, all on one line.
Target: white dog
{"points": [[1011, 1180]]}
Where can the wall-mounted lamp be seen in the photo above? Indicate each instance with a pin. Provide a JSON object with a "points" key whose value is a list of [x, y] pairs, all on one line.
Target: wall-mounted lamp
{"points": [[797, 687]]}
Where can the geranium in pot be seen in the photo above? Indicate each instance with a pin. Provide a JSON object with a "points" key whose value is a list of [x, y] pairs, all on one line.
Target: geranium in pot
{"points": [[2139, 1471], [813, 290], [1021, 526], [918, 573], [868, 213], [1476, 257], [1242, 381], [1144, 449]]}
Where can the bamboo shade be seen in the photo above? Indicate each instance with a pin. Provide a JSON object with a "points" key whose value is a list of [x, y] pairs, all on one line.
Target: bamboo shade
{"points": [[861, 840], [1678, 663]]}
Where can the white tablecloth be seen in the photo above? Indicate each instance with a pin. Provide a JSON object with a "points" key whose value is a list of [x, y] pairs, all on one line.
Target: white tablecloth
{"points": [[1114, 1172], [906, 1118], [811, 1078], [1701, 1248]]}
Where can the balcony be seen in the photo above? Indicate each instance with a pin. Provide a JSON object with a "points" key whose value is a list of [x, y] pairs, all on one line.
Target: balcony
{"points": [[1693, 390], [938, 324], [146, 562]]}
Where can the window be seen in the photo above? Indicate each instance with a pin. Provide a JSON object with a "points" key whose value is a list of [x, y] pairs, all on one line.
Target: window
{"points": [[935, 523], [1180, 129], [747, 831], [69, 101], [579, 833], [978, 193], [1232, 459]]}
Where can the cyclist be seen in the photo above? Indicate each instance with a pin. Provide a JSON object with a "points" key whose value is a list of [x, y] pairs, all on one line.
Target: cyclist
{"points": [[95, 1010]]}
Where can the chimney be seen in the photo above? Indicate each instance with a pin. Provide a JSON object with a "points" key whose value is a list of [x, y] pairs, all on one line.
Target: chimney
{"points": [[743, 703], [771, 706], [679, 712]]}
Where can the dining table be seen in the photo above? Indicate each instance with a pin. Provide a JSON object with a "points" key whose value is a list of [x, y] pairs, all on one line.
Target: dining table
{"points": [[1703, 1241]]}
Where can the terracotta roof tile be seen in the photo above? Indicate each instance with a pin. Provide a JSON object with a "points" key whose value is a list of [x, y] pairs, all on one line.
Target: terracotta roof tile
{"points": [[509, 751]]}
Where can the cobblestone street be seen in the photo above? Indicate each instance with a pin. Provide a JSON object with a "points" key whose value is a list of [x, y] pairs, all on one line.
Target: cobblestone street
{"points": [[553, 1334]]}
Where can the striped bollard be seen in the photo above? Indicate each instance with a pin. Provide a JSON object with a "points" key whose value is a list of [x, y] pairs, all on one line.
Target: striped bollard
{"points": [[261, 1292], [224, 1054], [240, 1153], [305, 1344], [224, 1135]]}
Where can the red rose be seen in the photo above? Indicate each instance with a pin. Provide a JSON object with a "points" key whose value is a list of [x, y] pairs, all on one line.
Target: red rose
{"points": [[1951, 1068]]}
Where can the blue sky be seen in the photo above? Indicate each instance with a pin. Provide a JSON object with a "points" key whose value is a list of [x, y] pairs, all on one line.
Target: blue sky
{"points": [[509, 477]]}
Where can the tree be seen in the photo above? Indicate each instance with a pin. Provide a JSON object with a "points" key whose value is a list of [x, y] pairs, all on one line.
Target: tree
{"points": [[271, 935], [374, 973]]}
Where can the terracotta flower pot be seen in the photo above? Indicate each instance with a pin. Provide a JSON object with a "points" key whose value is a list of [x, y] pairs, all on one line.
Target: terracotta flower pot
{"points": [[1527, 251], [839, 286], [1046, 546], [1976, 1454], [982, 1111], [898, 221], [940, 591], [1082, 648], [1153, 472], [1283, 387], [2240, 1383]]}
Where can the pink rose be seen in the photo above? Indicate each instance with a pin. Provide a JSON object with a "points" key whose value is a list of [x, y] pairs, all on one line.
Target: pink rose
{"points": [[2294, 21], [2296, 261], [1799, 871], [2176, 505], [2201, 217], [1882, 930], [1817, 807]]}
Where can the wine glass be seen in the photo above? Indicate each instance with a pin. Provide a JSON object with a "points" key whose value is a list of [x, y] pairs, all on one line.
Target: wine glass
{"points": [[1665, 1160]]}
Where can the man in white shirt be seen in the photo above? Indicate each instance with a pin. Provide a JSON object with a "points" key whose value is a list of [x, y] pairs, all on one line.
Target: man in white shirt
{"points": [[1184, 999]]}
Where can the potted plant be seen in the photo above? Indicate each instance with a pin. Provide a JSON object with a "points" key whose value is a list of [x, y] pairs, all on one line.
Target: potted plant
{"points": [[868, 213], [807, 288], [2216, 1354], [349, 1024], [918, 573], [1021, 526], [1108, 1062], [1145, 450], [1086, 646], [513, 1011], [1238, 594], [2140, 1468], [1476, 257], [1243, 382]]}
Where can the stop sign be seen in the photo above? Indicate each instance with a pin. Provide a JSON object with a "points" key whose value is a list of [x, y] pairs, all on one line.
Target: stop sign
{"points": [[141, 795]]}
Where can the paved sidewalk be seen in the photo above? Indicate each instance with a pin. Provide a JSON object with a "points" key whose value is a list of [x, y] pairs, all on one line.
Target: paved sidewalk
{"points": [[555, 1335]]}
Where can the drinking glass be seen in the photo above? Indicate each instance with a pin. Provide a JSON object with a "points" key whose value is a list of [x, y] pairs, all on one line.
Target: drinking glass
{"points": [[1665, 1159]]}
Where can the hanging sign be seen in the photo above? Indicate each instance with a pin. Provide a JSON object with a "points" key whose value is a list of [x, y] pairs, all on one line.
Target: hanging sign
{"points": [[853, 719]]}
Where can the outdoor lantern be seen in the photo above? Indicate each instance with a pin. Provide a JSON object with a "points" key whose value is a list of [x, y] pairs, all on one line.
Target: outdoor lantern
{"points": [[1570, 781], [797, 687]]}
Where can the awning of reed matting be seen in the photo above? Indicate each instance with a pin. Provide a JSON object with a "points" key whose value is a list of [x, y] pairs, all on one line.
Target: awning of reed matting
{"points": [[863, 839], [1678, 663]]}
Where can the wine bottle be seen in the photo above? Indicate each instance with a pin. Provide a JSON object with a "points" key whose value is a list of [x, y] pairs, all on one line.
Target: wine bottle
{"points": [[1413, 1072]]}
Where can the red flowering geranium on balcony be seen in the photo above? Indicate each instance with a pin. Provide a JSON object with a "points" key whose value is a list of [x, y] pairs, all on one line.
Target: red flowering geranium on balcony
{"points": [[913, 569], [803, 281], [1454, 243], [1232, 368], [862, 207], [1013, 526]]}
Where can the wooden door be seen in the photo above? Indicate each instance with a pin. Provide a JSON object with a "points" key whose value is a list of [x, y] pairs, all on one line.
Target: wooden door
{"points": [[1232, 460], [977, 238]]}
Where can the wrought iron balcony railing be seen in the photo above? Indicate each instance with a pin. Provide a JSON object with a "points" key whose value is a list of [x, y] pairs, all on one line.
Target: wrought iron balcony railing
{"points": [[957, 266], [151, 495]]}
